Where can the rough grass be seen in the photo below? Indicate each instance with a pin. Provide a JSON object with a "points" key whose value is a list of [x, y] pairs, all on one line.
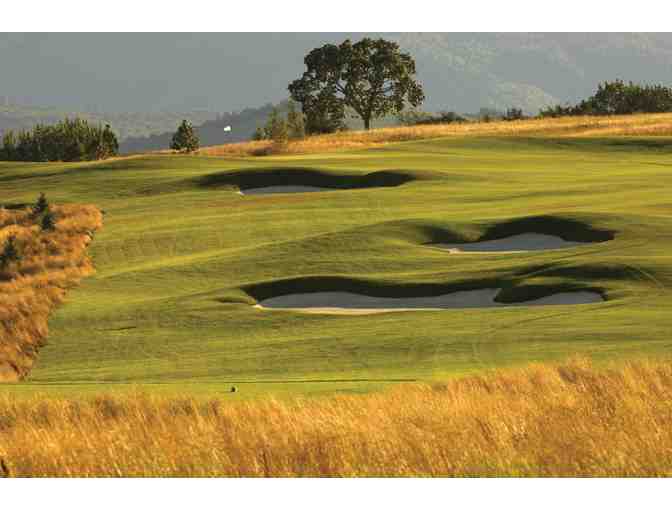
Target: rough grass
{"points": [[622, 125], [543, 420], [51, 262]]}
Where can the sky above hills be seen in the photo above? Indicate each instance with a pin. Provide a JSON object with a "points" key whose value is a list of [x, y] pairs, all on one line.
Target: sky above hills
{"points": [[228, 72]]}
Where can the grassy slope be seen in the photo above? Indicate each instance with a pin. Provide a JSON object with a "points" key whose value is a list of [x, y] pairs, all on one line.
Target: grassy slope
{"points": [[167, 305]]}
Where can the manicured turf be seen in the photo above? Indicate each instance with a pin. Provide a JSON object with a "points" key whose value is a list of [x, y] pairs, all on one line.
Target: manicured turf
{"points": [[182, 258]]}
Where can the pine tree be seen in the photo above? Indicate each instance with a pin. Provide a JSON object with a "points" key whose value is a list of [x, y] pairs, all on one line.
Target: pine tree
{"points": [[110, 141], [8, 152], [41, 205], [67, 140], [9, 253], [185, 139], [259, 134], [48, 221]]}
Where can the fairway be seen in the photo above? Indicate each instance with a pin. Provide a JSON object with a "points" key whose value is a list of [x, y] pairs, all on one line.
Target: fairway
{"points": [[183, 257]]}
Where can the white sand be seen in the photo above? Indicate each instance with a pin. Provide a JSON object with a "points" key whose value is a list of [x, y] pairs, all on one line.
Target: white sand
{"points": [[513, 244], [267, 190], [359, 304]]}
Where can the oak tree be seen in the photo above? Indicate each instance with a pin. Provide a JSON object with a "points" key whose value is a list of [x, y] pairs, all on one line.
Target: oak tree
{"points": [[372, 76]]}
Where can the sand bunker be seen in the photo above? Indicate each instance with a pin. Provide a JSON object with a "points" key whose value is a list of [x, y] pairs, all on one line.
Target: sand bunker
{"points": [[267, 190], [356, 304], [513, 244]]}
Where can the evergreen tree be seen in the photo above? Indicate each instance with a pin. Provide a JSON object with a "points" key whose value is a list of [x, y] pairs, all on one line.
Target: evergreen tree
{"points": [[67, 140], [8, 151], [259, 134], [10, 253], [514, 114], [48, 221], [110, 141], [185, 138], [618, 98], [41, 205]]}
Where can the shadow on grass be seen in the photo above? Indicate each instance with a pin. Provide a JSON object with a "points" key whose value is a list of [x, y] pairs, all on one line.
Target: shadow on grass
{"points": [[513, 290], [259, 178]]}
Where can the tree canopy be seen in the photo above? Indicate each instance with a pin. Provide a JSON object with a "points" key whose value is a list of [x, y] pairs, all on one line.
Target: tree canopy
{"points": [[68, 140], [372, 76], [618, 98]]}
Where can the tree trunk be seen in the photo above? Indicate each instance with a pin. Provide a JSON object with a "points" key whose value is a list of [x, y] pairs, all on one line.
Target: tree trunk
{"points": [[367, 123]]}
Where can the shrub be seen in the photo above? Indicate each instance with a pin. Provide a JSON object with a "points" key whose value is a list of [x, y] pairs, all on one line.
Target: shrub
{"points": [[48, 221], [10, 253], [514, 114], [259, 134], [41, 205], [419, 118]]}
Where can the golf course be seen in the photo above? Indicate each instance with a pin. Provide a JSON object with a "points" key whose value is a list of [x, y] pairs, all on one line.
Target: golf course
{"points": [[484, 299], [347, 274]]}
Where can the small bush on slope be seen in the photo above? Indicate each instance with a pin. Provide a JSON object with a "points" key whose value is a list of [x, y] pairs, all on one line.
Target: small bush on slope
{"points": [[52, 260]]}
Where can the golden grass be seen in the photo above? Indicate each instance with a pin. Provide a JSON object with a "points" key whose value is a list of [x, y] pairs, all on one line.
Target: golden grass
{"points": [[543, 420], [51, 262], [623, 125]]}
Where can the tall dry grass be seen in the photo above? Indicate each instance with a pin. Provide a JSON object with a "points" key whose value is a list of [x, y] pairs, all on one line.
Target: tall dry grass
{"points": [[543, 420], [51, 262], [623, 125]]}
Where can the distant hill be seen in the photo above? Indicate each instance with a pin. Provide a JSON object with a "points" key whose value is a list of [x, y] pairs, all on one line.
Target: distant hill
{"points": [[464, 72], [243, 124], [232, 71], [126, 125], [210, 132]]}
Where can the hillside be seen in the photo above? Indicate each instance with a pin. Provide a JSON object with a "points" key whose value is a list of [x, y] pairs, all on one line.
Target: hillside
{"points": [[125, 125], [184, 259], [243, 125], [461, 71], [210, 132]]}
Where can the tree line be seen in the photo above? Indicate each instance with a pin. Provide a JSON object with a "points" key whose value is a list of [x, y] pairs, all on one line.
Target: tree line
{"points": [[618, 98], [68, 140]]}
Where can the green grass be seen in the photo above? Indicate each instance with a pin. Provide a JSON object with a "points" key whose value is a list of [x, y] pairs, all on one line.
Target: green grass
{"points": [[182, 257]]}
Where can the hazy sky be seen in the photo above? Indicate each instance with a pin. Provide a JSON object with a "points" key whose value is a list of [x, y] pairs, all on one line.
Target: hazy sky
{"points": [[152, 72], [225, 72]]}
